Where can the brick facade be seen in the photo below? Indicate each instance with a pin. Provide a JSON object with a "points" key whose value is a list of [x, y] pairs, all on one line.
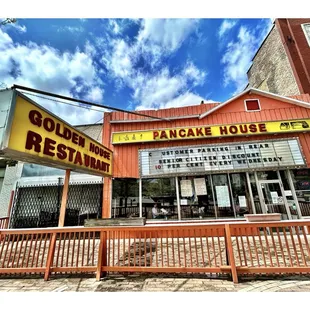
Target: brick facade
{"points": [[271, 69], [12, 174], [282, 63], [297, 48]]}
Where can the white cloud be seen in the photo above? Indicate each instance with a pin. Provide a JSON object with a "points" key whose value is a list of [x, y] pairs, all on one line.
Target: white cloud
{"points": [[164, 90], [169, 34], [71, 29], [156, 39], [119, 60], [239, 53], [155, 91], [194, 74], [95, 95], [45, 68], [5, 40], [114, 26], [226, 25], [16, 26], [186, 99]]}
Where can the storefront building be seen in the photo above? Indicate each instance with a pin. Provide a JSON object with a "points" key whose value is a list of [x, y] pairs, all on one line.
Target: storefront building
{"points": [[248, 155]]}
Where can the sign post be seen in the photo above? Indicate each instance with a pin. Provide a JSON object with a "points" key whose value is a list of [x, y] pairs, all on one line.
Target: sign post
{"points": [[64, 198]]}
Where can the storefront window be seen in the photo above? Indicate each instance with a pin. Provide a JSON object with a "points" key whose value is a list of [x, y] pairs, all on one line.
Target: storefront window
{"points": [[288, 194], [125, 198], [301, 180], [224, 204], [240, 194], [163, 193], [267, 175], [257, 204], [196, 198], [33, 170]]}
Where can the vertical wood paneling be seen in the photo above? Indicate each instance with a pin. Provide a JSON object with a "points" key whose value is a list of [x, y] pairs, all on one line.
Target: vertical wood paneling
{"points": [[126, 156]]}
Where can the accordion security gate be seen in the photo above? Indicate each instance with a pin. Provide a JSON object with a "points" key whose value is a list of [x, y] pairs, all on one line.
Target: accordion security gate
{"points": [[38, 206]]}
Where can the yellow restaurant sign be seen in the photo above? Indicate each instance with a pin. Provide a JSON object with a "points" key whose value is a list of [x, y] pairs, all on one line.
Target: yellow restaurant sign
{"points": [[157, 135], [35, 135]]}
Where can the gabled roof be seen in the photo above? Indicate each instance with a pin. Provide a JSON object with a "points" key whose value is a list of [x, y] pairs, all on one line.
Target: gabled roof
{"points": [[258, 92]]}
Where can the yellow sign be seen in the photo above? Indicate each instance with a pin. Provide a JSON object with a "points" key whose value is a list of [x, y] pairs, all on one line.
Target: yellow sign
{"points": [[157, 135], [39, 137]]}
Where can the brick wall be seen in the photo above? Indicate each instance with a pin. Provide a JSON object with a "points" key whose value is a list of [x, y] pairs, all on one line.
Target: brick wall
{"points": [[12, 174], [94, 131], [270, 70], [297, 48]]}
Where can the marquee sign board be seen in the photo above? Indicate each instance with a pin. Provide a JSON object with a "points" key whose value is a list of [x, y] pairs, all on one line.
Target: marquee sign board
{"points": [[32, 134], [216, 158], [213, 131]]}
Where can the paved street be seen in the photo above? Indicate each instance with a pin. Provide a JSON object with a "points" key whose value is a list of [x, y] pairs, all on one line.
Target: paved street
{"points": [[155, 283]]}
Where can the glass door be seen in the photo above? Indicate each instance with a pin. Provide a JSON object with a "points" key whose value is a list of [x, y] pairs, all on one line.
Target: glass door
{"points": [[273, 198]]}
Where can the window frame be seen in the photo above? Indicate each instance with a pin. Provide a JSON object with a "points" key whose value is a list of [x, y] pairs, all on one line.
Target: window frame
{"points": [[303, 26], [246, 108]]}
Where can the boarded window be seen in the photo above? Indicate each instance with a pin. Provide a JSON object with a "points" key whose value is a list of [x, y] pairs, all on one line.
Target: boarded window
{"points": [[252, 105]]}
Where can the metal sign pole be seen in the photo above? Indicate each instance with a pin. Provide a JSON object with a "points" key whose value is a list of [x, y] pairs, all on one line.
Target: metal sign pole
{"points": [[62, 212]]}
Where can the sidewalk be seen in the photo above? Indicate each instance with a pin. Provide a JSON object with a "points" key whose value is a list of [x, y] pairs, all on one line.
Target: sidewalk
{"points": [[155, 283]]}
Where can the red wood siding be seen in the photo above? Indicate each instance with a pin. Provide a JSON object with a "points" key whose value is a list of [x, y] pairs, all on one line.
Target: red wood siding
{"points": [[126, 156]]}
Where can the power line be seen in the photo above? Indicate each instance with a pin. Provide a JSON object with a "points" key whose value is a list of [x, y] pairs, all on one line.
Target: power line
{"points": [[82, 101], [59, 101], [69, 104], [90, 125]]}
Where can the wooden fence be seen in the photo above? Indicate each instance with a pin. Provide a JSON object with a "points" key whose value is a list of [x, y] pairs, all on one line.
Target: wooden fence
{"points": [[4, 222], [232, 248]]}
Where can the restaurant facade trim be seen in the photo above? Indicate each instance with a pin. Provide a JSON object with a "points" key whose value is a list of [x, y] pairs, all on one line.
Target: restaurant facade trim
{"points": [[250, 154]]}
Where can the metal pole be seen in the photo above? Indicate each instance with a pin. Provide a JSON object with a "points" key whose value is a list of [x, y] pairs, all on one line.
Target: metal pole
{"points": [[62, 212], [288, 211], [292, 187], [140, 198], [231, 194], [250, 192], [178, 197], [260, 194], [215, 207]]}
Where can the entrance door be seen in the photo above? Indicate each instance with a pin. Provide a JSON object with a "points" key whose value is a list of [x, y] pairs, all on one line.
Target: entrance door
{"points": [[272, 198]]}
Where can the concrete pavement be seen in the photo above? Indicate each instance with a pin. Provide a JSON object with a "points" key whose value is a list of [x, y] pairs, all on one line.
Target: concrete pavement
{"points": [[156, 283]]}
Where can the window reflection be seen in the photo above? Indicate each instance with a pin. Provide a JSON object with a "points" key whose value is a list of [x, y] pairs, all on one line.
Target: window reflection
{"points": [[163, 193], [125, 198], [301, 180]]}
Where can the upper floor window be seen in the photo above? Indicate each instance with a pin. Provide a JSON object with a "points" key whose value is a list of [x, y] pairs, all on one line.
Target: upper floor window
{"points": [[252, 105], [306, 29]]}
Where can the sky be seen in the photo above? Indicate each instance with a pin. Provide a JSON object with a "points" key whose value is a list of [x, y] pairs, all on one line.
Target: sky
{"points": [[132, 64]]}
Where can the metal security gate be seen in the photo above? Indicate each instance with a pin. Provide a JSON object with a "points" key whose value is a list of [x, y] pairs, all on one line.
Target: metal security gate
{"points": [[38, 206]]}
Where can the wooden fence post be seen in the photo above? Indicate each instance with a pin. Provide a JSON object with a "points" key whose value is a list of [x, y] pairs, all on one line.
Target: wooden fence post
{"points": [[50, 257], [102, 255], [231, 254]]}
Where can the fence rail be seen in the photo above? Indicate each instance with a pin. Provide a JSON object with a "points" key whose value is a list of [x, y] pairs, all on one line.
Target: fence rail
{"points": [[231, 248], [4, 222]]}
